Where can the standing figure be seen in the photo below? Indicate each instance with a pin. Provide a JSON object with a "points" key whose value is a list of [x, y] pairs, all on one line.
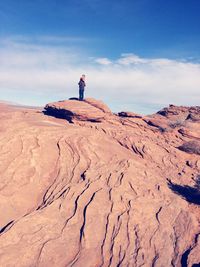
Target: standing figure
{"points": [[81, 87]]}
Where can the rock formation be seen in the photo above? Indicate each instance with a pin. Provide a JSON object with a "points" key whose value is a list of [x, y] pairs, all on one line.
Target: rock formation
{"points": [[81, 186], [88, 110]]}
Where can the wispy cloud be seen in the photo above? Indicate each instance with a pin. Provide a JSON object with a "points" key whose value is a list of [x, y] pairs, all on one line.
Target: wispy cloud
{"points": [[103, 61], [36, 73], [128, 59]]}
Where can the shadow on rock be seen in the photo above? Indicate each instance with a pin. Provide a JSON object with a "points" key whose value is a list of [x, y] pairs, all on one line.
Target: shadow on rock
{"points": [[62, 114], [74, 98], [189, 193], [191, 147]]}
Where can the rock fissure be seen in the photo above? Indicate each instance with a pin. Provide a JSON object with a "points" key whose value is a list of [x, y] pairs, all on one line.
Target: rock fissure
{"points": [[84, 215]]}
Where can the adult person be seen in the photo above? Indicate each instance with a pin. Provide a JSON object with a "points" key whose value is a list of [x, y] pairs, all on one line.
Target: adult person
{"points": [[81, 87]]}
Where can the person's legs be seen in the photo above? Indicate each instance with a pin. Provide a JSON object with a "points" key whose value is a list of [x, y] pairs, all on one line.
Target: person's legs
{"points": [[81, 94]]}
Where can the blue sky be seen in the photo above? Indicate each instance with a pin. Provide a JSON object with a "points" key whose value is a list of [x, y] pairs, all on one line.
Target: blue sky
{"points": [[151, 47]]}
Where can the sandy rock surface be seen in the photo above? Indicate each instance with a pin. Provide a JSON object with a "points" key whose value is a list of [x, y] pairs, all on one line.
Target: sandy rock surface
{"points": [[87, 110], [90, 188]]}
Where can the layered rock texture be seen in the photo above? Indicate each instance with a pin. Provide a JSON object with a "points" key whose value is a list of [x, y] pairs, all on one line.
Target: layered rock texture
{"points": [[81, 186]]}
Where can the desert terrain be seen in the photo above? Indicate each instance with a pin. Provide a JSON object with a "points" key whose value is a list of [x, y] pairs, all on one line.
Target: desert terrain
{"points": [[82, 186]]}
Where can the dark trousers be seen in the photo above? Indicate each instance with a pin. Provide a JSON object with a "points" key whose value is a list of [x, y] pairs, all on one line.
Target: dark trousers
{"points": [[81, 94]]}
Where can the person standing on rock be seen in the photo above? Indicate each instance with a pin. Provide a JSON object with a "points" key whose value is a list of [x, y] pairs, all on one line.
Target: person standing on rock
{"points": [[81, 87]]}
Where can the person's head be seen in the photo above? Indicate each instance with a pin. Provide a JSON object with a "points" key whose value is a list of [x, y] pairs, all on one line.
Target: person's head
{"points": [[83, 76]]}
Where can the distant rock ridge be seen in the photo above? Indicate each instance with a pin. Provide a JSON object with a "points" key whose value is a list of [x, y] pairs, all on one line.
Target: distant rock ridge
{"points": [[174, 117], [82, 186], [181, 112]]}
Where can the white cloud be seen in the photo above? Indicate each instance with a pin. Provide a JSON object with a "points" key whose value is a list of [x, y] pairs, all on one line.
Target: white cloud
{"points": [[103, 61], [128, 59], [33, 73]]}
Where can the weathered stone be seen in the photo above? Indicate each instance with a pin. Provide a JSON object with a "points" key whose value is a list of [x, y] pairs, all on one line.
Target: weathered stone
{"points": [[87, 110], [95, 194], [129, 114], [192, 147], [181, 113]]}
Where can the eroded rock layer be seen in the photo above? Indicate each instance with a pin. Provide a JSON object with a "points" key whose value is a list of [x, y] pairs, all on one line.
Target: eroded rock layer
{"points": [[104, 190]]}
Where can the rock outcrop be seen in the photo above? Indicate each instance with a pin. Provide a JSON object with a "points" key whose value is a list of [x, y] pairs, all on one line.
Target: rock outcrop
{"points": [[174, 117], [86, 187], [128, 114], [181, 112], [87, 110]]}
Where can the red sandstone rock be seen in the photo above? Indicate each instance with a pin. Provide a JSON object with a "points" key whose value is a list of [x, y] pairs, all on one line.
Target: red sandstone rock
{"points": [[95, 194], [158, 122], [129, 114], [87, 110], [98, 104], [181, 113]]}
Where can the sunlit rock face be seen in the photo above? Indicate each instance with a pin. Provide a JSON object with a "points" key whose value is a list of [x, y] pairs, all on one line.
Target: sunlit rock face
{"points": [[88, 110], [81, 186]]}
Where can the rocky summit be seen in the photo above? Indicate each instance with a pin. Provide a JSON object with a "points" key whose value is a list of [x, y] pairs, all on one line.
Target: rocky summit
{"points": [[83, 187]]}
